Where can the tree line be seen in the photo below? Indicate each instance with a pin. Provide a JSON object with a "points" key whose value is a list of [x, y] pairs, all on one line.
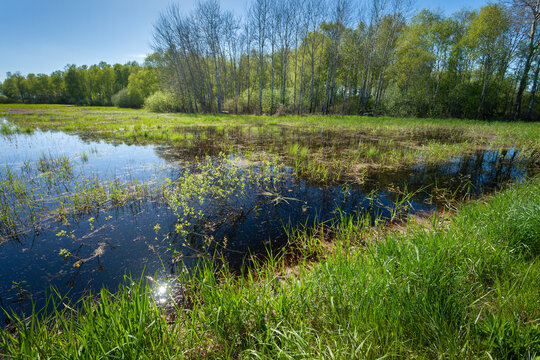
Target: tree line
{"points": [[337, 56], [100, 85]]}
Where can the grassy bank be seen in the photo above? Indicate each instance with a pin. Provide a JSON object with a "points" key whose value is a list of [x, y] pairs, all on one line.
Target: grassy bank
{"points": [[464, 288]]}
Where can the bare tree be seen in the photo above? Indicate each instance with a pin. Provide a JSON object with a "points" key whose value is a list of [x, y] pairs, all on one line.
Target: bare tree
{"points": [[210, 21], [259, 16], [247, 37], [231, 27], [286, 20], [340, 18], [315, 12], [373, 21], [301, 29], [273, 29]]}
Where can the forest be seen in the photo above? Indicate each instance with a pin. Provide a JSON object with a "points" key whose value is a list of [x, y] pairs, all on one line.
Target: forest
{"points": [[318, 57]]}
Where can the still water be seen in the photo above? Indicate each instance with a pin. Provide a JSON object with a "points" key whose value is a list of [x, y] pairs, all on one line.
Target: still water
{"points": [[97, 249]]}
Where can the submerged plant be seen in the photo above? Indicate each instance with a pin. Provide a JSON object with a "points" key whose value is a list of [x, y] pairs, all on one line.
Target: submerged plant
{"points": [[217, 188], [49, 190]]}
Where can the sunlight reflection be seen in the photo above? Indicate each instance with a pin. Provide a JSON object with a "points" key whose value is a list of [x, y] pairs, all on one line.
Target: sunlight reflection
{"points": [[160, 292]]}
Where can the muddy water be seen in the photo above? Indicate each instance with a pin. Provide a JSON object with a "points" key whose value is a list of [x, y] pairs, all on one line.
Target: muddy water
{"points": [[96, 250]]}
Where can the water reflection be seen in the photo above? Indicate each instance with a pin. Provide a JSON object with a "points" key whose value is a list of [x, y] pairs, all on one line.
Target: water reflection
{"points": [[95, 250]]}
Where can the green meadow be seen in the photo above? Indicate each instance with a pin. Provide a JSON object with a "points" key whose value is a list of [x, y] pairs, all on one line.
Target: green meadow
{"points": [[461, 282]]}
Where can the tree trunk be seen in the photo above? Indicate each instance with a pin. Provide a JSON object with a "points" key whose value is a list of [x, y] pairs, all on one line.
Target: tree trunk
{"points": [[301, 107], [533, 91], [261, 78], [272, 83], [481, 107], [526, 68]]}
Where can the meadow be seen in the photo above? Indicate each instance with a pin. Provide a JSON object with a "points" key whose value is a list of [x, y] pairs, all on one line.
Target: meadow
{"points": [[278, 237], [337, 145]]}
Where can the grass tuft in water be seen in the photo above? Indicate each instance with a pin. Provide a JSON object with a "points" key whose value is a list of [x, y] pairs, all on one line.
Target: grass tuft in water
{"points": [[462, 289]]}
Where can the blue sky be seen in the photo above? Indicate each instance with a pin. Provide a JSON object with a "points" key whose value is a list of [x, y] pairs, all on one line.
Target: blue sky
{"points": [[41, 36]]}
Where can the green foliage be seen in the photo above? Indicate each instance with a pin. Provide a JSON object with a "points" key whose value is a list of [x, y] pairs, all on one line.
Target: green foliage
{"points": [[82, 85], [143, 82], [4, 99], [218, 186], [161, 102], [485, 33], [127, 98]]}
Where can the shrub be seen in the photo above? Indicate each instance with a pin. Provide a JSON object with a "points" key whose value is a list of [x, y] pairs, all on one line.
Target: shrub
{"points": [[161, 102], [4, 99], [230, 106], [127, 99], [266, 99]]}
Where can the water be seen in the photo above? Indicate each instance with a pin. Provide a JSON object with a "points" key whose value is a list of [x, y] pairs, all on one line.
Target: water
{"points": [[97, 249]]}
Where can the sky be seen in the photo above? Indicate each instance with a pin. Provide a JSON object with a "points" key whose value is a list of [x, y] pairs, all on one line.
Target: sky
{"points": [[42, 36]]}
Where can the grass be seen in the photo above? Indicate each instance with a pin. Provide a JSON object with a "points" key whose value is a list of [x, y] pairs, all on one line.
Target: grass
{"points": [[53, 166], [460, 289], [51, 190], [465, 288], [7, 130], [329, 148]]}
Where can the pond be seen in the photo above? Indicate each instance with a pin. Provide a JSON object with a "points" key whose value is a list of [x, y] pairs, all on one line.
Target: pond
{"points": [[79, 213]]}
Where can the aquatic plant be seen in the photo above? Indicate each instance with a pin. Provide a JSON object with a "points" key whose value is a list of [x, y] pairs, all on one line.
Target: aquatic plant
{"points": [[217, 186], [84, 157], [5, 129], [55, 167], [444, 287], [48, 189]]}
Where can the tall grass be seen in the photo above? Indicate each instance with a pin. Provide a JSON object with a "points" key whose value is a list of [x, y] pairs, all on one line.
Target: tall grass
{"points": [[464, 289]]}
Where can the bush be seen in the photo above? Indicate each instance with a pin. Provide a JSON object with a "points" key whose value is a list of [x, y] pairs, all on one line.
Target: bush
{"points": [[266, 97], [127, 99], [230, 106], [161, 102], [4, 99]]}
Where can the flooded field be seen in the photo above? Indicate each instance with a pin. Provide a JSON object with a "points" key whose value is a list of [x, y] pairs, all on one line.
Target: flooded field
{"points": [[81, 209]]}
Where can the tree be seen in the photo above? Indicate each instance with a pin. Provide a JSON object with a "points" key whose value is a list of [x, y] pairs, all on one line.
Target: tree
{"points": [[259, 15], [10, 86], [485, 37], [529, 11], [211, 21]]}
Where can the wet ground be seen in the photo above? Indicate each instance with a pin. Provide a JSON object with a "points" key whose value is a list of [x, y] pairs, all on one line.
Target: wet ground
{"points": [[87, 251]]}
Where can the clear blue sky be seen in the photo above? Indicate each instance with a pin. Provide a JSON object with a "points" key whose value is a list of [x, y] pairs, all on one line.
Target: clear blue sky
{"points": [[41, 36]]}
